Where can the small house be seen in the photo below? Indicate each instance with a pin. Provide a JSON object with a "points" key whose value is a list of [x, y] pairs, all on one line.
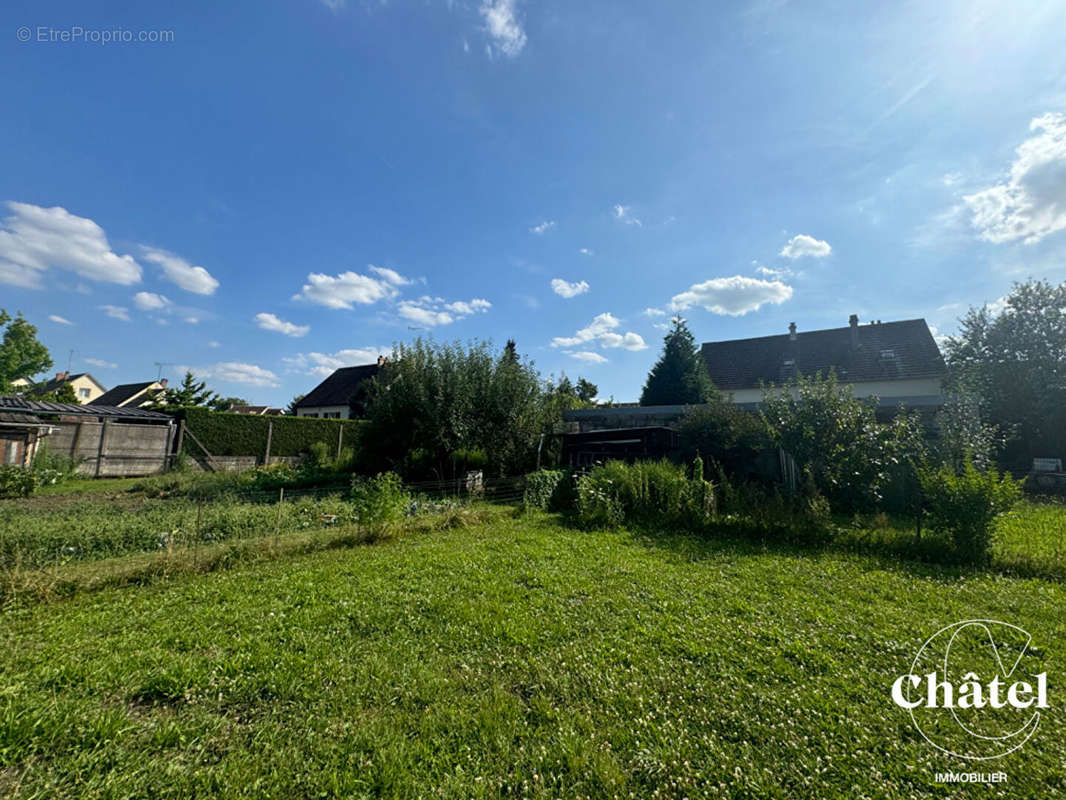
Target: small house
{"points": [[340, 396]]}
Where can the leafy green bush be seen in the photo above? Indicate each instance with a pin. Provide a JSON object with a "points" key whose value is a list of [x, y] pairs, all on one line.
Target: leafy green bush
{"points": [[379, 501], [725, 434], [17, 481], [767, 512], [548, 489], [647, 492], [965, 505], [836, 439]]}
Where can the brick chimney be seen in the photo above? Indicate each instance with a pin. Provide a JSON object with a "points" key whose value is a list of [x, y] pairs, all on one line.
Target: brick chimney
{"points": [[61, 376], [382, 361], [853, 322], [163, 383], [792, 331]]}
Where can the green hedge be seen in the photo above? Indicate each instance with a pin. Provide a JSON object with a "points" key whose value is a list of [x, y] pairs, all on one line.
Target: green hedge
{"points": [[242, 435]]}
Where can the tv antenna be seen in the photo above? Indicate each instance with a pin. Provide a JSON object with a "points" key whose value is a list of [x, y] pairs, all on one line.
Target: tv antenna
{"points": [[160, 365]]}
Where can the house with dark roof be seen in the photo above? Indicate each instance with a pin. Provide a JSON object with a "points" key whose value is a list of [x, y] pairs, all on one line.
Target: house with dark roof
{"points": [[133, 395], [339, 395], [255, 411], [898, 362]]}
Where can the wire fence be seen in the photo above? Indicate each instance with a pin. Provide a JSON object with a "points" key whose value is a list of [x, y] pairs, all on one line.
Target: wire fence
{"points": [[99, 528]]}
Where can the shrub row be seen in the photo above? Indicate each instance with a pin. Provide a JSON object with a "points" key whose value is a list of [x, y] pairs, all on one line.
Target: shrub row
{"points": [[645, 492], [225, 434]]}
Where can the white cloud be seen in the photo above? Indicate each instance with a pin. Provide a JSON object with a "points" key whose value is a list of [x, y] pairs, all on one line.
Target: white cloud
{"points": [[35, 239], [213, 343], [501, 23], [99, 362], [803, 245], [772, 272], [585, 251], [59, 320], [653, 312], [433, 311], [351, 287], [334, 5], [567, 289], [269, 322], [180, 272], [588, 357], [733, 296], [236, 372], [602, 331], [624, 214], [116, 312], [150, 301], [1031, 204], [544, 227], [324, 364]]}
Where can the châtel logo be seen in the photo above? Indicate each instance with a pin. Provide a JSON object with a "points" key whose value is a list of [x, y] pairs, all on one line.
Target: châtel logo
{"points": [[974, 689]]}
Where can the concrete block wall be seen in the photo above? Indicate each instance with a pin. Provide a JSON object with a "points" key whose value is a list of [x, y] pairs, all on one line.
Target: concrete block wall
{"points": [[127, 449]]}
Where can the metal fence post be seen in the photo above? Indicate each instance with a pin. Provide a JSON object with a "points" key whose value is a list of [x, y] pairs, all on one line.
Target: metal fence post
{"points": [[277, 522]]}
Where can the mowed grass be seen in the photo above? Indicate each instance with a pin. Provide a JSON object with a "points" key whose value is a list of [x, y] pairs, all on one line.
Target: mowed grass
{"points": [[515, 659]]}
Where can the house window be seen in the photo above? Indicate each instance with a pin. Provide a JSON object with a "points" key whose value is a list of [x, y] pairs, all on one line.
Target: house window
{"points": [[83, 393]]}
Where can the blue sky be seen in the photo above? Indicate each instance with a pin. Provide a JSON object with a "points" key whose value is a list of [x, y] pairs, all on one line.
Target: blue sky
{"points": [[277, 189]]}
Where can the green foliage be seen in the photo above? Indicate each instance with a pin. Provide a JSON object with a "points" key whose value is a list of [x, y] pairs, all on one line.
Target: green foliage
{"points": [[550, 490], [1015, 362], [679, 377], [224, 403], [290, 409], [962, 436], [379, 501], [17, 481], [767, 513], [965, 505], [836, 440], [21, 355], [191, 393], [586, 391], [646, 493], [725, 434], [432, 400], [64, 393], [243, 435]]}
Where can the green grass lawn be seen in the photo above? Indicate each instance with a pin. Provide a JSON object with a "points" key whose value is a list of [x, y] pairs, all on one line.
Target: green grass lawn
{"points": [[518, 658]]}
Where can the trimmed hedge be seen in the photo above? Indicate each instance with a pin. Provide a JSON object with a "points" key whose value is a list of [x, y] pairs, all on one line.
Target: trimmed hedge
{"points": [[241, 435]]}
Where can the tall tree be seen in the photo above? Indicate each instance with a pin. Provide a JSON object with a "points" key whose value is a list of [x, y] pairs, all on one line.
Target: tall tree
{"points": [[586, 390], [21, 355], [191, 393], [679, 377], [290, 409], [1015, 363]]}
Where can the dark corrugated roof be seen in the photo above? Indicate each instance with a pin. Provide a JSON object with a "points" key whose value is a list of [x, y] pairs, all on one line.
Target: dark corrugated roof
{"points": [[121, 394], [20, 419], [886, 351], [16, 403], [338, 388]]}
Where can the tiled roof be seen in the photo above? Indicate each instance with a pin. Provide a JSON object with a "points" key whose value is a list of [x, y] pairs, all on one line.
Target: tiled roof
{"points": [[122, 393], [338, 388], [16, 404], [882, 351]]}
